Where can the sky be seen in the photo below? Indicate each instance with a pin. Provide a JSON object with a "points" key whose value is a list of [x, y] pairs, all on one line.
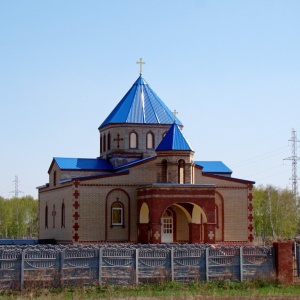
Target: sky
{"points": [[230, 68]]}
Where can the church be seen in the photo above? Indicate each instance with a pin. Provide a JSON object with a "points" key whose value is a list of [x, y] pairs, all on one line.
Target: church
{"points": [[145, 186]]}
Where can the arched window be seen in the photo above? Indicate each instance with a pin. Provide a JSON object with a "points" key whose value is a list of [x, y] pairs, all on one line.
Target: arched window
{"points": [[164, 171], [101, 144], [133, 140], [150, 140], [117, 214], [108, 141], [46, 216], [181, 174], [54, 178], [53, 216], [104, 143], [63, 216]]}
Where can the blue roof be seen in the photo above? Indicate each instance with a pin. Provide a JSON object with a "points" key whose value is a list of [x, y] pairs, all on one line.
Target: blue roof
{"points": [[140, 105], [215, 167], [83, 163], [174, 140]]}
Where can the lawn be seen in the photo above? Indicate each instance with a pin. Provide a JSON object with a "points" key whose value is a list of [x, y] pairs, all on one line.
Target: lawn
{"points": [[173, 290]]}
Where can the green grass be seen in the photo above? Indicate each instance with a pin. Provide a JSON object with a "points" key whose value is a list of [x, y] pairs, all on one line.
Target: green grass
{"points": [[173, 290]]}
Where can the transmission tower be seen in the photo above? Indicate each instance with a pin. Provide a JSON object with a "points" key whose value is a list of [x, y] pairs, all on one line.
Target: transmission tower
{"points": [[16, 191], [294, 158]]}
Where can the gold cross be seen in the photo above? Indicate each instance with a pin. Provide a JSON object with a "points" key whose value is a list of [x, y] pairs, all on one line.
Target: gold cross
{"points": [[141, 62], [175, 113]]}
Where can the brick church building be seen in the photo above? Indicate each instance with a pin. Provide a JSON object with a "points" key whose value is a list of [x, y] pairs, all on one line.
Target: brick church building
{"points": [[145, 186]]}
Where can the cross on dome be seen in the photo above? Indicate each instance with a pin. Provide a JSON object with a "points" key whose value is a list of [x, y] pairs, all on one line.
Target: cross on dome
{"points": [[141, 63], [175, 113]]}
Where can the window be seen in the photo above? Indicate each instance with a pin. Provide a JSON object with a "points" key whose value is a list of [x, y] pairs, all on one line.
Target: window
{"points": [[164, 171], [181, 171], [150, 140], [133, 140], [54, 178], [104, 143], [117, 213], [108, 141], [101, 143], [46, 216], [63, 219], [53, 216]]}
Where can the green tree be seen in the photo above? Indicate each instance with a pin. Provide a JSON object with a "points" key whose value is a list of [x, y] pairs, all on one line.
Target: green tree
{"points": [[275, 212], [18, 217]]}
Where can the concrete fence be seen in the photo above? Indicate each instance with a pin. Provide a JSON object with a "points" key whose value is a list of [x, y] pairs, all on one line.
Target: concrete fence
{"points": [[48, 265]]}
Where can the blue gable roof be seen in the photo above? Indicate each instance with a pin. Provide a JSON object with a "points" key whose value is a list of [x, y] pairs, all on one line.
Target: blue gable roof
{"points": [[140, 105], [213, 167], [83, 164], [174, 140]]}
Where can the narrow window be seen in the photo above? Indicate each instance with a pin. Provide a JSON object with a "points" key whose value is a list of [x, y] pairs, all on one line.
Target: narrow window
{"points": [[150, 140], [104, 143], [164, 171], [101, 143], [181, 171], [108, 141], [53, 216], [46, 216], [54, 178], [133, 140], [63, 216], [117, 213]]}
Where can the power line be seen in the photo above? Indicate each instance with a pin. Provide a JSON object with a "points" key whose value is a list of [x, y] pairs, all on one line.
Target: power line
{"points": [[294, 158]]}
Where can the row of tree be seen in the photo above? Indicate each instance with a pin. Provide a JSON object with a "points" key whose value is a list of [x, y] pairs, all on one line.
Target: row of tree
{"points": [[18, 217], [275, 215]]}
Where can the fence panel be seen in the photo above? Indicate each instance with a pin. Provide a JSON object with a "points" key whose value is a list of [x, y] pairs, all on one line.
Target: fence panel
{"points": [[189, 263], [154, 264], [41, 267], [223, 264], [118, 265], [258, 262], [10, 266], [79, 266]]}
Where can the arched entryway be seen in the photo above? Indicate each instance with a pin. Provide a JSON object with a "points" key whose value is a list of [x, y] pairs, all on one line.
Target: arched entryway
{"points": [[176, 213], [183, 223]]}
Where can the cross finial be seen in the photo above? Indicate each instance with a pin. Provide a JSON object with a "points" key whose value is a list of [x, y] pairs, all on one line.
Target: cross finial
{"points": [[141, 62], [175, 113]]}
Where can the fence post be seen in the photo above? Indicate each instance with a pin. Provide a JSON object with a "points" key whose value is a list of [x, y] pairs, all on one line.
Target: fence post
{"points": [[206, 263], [137, 266], [241, 265], [172, 264], [22, 270], [100, 266], [284, 261], [61, 267]]}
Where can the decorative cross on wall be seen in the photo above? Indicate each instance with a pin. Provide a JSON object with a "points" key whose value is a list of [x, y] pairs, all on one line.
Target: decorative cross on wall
{"points": [[157, 235], [118, 139], [53, 216], [211, 235]]}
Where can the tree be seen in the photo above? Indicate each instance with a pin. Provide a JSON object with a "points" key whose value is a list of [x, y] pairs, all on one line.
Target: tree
{"points": [[18, 217], [275, 212]]}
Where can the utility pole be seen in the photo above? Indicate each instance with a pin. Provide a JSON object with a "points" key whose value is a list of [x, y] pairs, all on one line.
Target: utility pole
{"points": [[16, 191], [294, 158]]}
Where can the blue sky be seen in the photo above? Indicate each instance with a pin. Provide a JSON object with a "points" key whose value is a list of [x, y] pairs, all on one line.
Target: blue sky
{"points": [[230, 68]]}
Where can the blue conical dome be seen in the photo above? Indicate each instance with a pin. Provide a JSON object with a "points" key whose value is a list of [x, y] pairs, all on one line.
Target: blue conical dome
{"points": [[140, 105], [174, 140]]}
